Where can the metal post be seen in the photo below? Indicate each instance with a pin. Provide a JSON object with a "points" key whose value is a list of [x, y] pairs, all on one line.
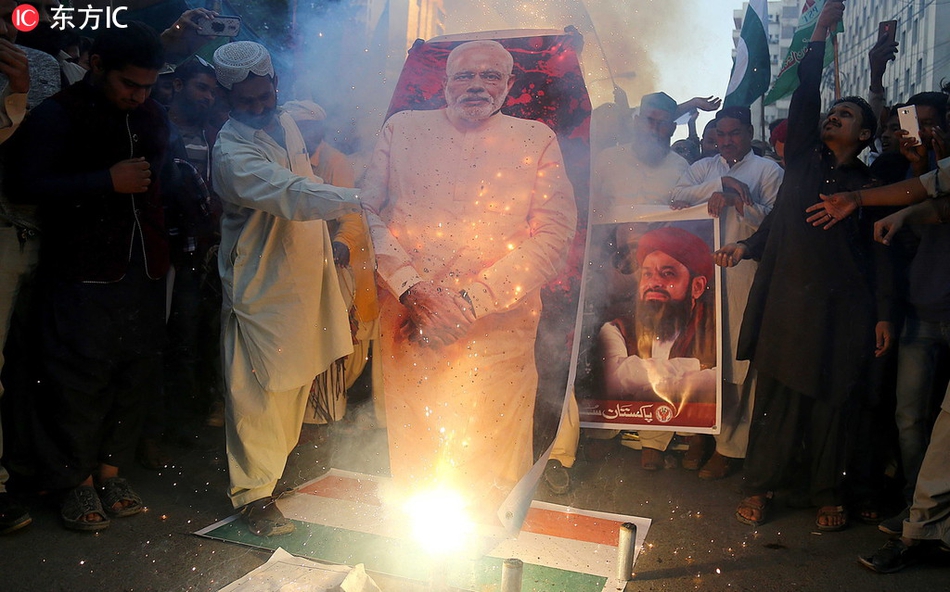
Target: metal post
{"points": [[625, 548], [511, 575]]}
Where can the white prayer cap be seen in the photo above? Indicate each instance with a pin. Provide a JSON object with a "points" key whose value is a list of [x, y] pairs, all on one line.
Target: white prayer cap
{"points": [[305, 111], [234, 61]]}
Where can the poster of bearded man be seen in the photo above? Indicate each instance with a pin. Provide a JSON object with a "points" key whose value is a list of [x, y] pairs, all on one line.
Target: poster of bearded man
{"points": [[650, 346]]}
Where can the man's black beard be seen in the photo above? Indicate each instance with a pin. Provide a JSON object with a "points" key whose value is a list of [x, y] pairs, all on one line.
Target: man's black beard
{"points": [[664, 319], [194, 115], [256, 121]]}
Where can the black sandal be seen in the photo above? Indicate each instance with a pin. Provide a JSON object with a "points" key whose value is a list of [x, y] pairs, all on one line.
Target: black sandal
{"points": [[265, 519], [79, 503], [117, 490]]}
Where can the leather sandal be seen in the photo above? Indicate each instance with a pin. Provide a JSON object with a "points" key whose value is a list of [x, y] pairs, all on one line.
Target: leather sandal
{"points": [[119, 499], [719, 467], [760, 503], [265, 519], [696, 454], [829, 512], [80, 502], [651, 459]]}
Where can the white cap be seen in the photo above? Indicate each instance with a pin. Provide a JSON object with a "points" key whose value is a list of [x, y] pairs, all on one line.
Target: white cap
{"points": [[234, 61]]}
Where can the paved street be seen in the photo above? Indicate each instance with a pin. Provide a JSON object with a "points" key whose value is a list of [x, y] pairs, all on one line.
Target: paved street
{"points": [[694, 544]]}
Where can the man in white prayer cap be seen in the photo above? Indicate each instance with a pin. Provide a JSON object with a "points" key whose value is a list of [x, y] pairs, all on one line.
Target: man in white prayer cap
{"points": [[285, 320]]}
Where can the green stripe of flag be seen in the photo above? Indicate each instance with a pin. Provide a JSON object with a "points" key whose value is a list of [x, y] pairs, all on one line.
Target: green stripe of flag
{"points": [[402, 559], [787, 80], [752, 69]]}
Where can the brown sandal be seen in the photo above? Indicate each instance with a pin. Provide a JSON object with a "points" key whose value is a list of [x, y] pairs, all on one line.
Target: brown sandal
{"points": [[719, 467], [757, 503], [830, 512]]}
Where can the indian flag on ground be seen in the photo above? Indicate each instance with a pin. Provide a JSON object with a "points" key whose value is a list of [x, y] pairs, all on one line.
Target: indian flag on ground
{"points": [[340, 519], [752, 69]]}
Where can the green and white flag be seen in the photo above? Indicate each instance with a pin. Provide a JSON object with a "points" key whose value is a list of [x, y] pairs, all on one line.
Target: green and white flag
{"points": [[787, 80], [752, 70]]}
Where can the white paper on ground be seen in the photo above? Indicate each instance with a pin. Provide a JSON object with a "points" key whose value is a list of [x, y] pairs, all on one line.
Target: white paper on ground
{"points": [[285, 573]]}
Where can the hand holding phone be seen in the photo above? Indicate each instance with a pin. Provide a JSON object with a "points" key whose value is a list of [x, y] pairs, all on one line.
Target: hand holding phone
{"points": [[887, 31], [908, 119], [220, 26]]}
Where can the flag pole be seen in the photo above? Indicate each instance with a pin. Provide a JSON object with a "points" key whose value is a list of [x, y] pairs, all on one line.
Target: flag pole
{"points": [[834, 46]]}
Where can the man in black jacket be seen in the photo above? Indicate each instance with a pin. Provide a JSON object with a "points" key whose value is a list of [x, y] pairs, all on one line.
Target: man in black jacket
{"points": [[88, 158], [810, 328]]}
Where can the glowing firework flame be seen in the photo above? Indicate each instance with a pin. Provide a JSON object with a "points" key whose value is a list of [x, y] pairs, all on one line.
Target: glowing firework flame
{"points": [[440, 521]]}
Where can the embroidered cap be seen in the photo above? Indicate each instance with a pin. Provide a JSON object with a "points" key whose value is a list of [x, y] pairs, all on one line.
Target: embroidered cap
{"points": [[233, 62]]}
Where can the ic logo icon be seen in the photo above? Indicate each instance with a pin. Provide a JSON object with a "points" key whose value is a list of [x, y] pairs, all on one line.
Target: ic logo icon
{"points": [[25, 18]]}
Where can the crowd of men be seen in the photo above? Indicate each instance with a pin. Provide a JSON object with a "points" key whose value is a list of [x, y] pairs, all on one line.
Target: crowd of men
{"points": [[223, 213]]}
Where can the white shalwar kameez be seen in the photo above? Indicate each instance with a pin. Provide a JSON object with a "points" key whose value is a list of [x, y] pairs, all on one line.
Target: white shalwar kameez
{"points": [[284, 320], [621, 182], [490, 211]]}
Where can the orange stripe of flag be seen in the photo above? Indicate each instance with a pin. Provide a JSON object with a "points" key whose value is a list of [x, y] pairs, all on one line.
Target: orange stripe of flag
{"points": [[345, 488], [577, 527]]}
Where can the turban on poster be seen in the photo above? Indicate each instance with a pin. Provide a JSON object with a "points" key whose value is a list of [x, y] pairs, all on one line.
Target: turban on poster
{"points": [[682, 245]]}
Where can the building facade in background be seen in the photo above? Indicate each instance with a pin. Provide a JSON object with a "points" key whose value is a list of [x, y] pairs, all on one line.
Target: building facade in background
{"points": [[923, 56], [923, 59]]}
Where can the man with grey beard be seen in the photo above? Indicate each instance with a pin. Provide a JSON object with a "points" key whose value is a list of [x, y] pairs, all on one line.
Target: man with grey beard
{"points": [[642, 172]]}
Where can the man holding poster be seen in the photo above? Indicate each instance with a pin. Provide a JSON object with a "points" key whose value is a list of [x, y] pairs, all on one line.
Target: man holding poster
{"points": [[739, 188]]}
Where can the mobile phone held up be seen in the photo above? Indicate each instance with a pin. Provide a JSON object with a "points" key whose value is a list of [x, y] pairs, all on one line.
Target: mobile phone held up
{"points": [[887, 30], [908, 119], [220, 26]]}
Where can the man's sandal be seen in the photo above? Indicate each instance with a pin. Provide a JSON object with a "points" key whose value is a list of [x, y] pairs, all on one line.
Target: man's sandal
{"points": [[264, 518], [79, 503], [758, 503], [831, 512], [119, 499]]}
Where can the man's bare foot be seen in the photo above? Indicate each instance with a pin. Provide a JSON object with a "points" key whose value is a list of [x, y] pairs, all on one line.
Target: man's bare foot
{"points": [[831, 518], [754, 509]]}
